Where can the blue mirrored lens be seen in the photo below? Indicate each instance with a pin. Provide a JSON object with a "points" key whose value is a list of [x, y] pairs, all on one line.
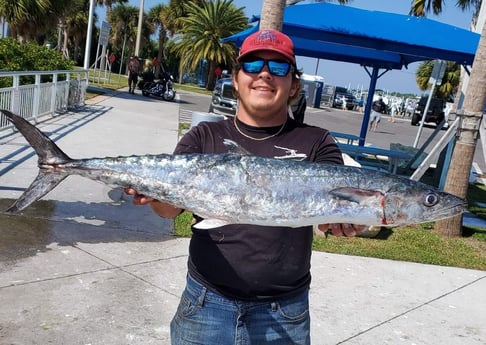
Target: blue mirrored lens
{"points": [[277, 68], [253, 66]]}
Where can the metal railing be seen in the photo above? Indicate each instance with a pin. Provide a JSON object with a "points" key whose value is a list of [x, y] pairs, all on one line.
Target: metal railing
{"points": [[52, 92]]}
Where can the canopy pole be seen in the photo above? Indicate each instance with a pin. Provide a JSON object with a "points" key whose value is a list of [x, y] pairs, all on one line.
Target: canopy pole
{"points": [[367, 110]]}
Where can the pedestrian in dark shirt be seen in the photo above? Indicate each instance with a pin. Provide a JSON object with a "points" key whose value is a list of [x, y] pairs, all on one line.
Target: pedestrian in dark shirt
{"points": [[378, 107], [246, 283], [133, 68]]}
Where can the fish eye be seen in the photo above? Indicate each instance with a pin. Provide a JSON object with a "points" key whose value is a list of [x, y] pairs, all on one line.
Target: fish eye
{"points": [[431, 199]]}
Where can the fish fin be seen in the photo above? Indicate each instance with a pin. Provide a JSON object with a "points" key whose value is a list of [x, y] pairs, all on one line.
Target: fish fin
{"points": [[47, 151], [43, 184], [206, 224], [49, 155], [234, 148], [354, 194]]}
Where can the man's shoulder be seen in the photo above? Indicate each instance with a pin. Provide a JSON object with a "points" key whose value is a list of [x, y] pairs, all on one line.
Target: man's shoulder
{"points": [[304, 127]]}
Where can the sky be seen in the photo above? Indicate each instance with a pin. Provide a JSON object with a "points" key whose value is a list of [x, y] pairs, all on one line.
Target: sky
{"points": [[353, 75]]}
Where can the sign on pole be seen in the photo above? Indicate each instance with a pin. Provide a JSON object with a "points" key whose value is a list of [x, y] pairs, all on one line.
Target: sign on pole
{"points": [[438, 72], [104, 33]]}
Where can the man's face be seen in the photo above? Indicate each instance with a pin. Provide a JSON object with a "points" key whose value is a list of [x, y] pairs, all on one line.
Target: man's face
{"points": [[263, 94]]}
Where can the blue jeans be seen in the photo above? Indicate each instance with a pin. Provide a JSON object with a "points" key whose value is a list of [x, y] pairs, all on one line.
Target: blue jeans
{"points": [[206, 318]]}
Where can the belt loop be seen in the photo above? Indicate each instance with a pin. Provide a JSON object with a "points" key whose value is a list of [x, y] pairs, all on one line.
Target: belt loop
{"points": [[202, 296], [274, 306]]}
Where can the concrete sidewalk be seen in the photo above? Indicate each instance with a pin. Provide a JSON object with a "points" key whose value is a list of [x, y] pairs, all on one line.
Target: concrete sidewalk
{"points": [[84, 266]]}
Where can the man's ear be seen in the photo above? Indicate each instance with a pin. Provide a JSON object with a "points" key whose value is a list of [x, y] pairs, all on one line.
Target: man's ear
{"points": [[295, 88]]}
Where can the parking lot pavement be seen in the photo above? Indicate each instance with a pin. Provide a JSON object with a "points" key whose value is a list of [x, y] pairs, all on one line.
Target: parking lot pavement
{"points": [[84, 266]]}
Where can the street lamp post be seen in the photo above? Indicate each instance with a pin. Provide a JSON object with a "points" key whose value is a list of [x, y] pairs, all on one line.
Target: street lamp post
{"points": [[87, 50], [139, 29]]}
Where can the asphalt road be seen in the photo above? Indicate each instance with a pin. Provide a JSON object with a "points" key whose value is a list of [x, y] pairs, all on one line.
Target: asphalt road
{"points": [[400, 131]]}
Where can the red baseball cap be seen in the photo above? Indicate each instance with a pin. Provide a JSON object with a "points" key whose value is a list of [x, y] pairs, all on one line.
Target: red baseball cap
{"points": [[272, 40]]}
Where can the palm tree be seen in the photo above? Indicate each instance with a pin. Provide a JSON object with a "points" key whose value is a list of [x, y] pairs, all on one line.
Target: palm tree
{"points": [[124, 21], [26, 18], [202, 31], [176, 11], [450, 81], [457, 180], [272, 12], [76, 26], [109, 4], [420, 8], [156, 16]]}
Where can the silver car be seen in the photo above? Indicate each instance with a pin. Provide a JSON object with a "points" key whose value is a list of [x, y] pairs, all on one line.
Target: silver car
{"points": [[223, 100]]}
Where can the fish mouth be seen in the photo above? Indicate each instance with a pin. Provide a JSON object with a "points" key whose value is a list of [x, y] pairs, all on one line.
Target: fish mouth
{"points": [[452, 211]]}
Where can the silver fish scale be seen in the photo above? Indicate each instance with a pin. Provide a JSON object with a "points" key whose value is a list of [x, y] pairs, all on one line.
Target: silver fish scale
{"points": [[247, 189], [235, 188], [255, 190]]}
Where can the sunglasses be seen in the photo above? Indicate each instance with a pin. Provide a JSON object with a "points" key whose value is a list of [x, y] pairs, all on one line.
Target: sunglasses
{"points": [[277, 68]]}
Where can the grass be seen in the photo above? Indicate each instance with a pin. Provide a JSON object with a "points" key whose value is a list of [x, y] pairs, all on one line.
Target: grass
{"points": [[476, 196], [415, 244], [114, 81], [107, 80], [412, 243], [192, 88]]}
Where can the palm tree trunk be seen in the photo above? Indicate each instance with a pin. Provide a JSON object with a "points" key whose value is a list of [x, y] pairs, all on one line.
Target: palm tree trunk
{"points": [[272, 14], [160, 54], [474, 102], [211, 77]]}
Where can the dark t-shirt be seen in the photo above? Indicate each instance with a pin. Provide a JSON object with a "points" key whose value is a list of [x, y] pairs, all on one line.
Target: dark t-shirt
{"points": [[252, 262], [378, 106]]}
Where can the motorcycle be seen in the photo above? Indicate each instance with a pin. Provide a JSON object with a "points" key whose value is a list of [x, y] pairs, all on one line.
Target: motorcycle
{"points": [[147, 77], [160, 88]]}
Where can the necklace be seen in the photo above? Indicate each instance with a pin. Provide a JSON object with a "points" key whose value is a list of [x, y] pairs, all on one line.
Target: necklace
{"points": [[258, 139]]}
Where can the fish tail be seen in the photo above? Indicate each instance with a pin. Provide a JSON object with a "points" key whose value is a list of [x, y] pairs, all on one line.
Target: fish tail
{"points": [[43, 184], [49, 155]]}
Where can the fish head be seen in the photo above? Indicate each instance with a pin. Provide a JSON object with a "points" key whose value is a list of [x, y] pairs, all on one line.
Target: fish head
{"points": [[413, 203]]}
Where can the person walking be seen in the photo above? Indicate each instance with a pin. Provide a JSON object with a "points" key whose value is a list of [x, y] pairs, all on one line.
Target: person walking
{"points": [[394, 111], [377, 108], [361, 104], [249, 284], [343, 102], [133, 68]]}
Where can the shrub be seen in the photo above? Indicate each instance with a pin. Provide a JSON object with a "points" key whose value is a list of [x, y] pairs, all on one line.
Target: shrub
{"points": [[16, 56]]}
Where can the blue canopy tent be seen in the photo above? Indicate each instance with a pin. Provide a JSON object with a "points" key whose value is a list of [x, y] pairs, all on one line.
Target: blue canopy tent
{"points": [[376, 40]]}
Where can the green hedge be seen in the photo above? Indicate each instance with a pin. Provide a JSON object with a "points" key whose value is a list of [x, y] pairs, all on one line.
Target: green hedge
{"points": [[16, 56]]}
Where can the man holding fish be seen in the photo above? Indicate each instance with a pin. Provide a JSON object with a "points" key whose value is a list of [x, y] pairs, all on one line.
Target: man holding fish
{"points": [[256, 185], [250, 283]]}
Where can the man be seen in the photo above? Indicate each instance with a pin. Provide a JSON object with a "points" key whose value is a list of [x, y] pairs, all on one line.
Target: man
{"points": [[133, 67], [249, 284], [377, 108]]}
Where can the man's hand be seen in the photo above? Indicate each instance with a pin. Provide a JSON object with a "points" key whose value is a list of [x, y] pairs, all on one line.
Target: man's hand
{"points": [[163, 209], [348, 230], [139, 199]]}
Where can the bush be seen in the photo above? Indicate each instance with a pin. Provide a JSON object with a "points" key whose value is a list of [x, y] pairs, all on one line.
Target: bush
{"points": [[16, 56]]}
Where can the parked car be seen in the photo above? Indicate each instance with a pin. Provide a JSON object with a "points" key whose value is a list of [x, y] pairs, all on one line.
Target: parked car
{"points": [[351, 101], [223, 100], [435, 113]]}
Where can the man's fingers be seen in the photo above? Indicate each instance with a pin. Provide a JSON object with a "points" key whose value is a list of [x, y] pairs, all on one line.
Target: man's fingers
{"points": [[342, 229]]}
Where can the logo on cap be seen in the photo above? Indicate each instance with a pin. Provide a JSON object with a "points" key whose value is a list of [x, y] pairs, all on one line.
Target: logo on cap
{"points": [[268, 40]]}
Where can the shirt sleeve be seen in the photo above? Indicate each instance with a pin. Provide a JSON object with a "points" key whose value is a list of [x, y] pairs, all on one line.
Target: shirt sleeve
{"points": [[328, 151], [189, 143]]}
